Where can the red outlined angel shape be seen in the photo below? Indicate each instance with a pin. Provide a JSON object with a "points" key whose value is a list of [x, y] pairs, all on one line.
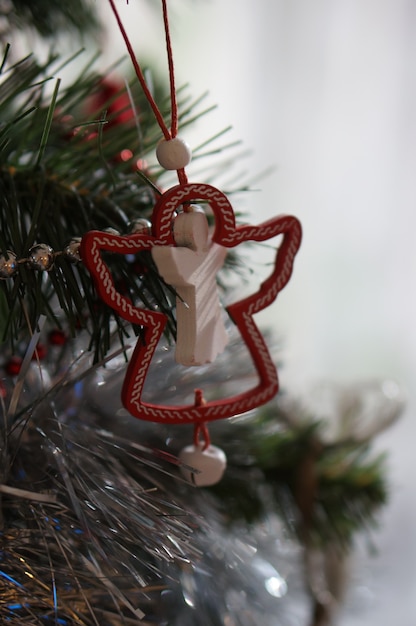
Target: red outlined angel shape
{"points": [[227, 234]]}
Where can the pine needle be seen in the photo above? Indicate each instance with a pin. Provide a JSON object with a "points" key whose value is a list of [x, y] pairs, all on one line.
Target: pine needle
{"points": [[48, 123]]}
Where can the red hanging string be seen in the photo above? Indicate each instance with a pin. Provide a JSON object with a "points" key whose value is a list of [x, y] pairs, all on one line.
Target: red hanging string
{"points": [[140, 75], [201, 428], [173, 103], [168, 134]]}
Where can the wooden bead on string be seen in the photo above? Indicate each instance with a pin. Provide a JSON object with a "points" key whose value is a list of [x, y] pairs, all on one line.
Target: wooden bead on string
{"points": [[191, 229], [202, 467], [173, 154]]}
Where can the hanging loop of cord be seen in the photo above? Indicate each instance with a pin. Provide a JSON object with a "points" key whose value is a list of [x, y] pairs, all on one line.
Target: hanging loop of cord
{"points": [[172, 152]]}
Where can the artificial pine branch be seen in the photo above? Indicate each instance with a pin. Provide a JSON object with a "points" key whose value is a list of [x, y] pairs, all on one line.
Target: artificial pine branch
{"points": [[49, 17], [71, 162], [326, 492]]}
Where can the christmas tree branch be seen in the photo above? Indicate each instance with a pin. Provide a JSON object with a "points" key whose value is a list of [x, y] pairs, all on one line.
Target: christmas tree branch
{"points": [[71, 162], [335, 488], [49, 17]]}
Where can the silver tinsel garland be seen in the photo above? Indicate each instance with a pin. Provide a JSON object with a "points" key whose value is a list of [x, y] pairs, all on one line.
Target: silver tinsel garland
{"points": [[98, 528]]}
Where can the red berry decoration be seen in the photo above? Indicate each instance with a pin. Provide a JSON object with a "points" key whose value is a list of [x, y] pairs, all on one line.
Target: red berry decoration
{"points": [[40, 352], [113, 97], [13, 366], [57, 337]]}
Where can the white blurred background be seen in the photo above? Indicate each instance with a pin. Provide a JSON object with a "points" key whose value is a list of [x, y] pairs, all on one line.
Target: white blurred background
{"points": [[326, 92]]}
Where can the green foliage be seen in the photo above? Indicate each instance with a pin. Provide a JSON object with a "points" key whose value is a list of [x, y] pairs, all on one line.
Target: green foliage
{"points": [[74, 158], [61, 175], [50, 17], [325, 492]]}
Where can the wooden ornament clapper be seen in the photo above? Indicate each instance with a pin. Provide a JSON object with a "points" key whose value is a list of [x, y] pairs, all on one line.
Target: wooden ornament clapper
{"points": [[188, 256]]}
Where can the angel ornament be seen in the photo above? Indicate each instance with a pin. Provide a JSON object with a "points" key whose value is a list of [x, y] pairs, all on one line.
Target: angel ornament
{"points": [[188, 256]]}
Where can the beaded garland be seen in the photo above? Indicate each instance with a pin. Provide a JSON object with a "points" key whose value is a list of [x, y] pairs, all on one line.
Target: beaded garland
{"points": [[41, 257]]}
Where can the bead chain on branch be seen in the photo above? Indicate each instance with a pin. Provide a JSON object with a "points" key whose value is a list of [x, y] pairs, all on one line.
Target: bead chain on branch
{"points": [[42, 257]]}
